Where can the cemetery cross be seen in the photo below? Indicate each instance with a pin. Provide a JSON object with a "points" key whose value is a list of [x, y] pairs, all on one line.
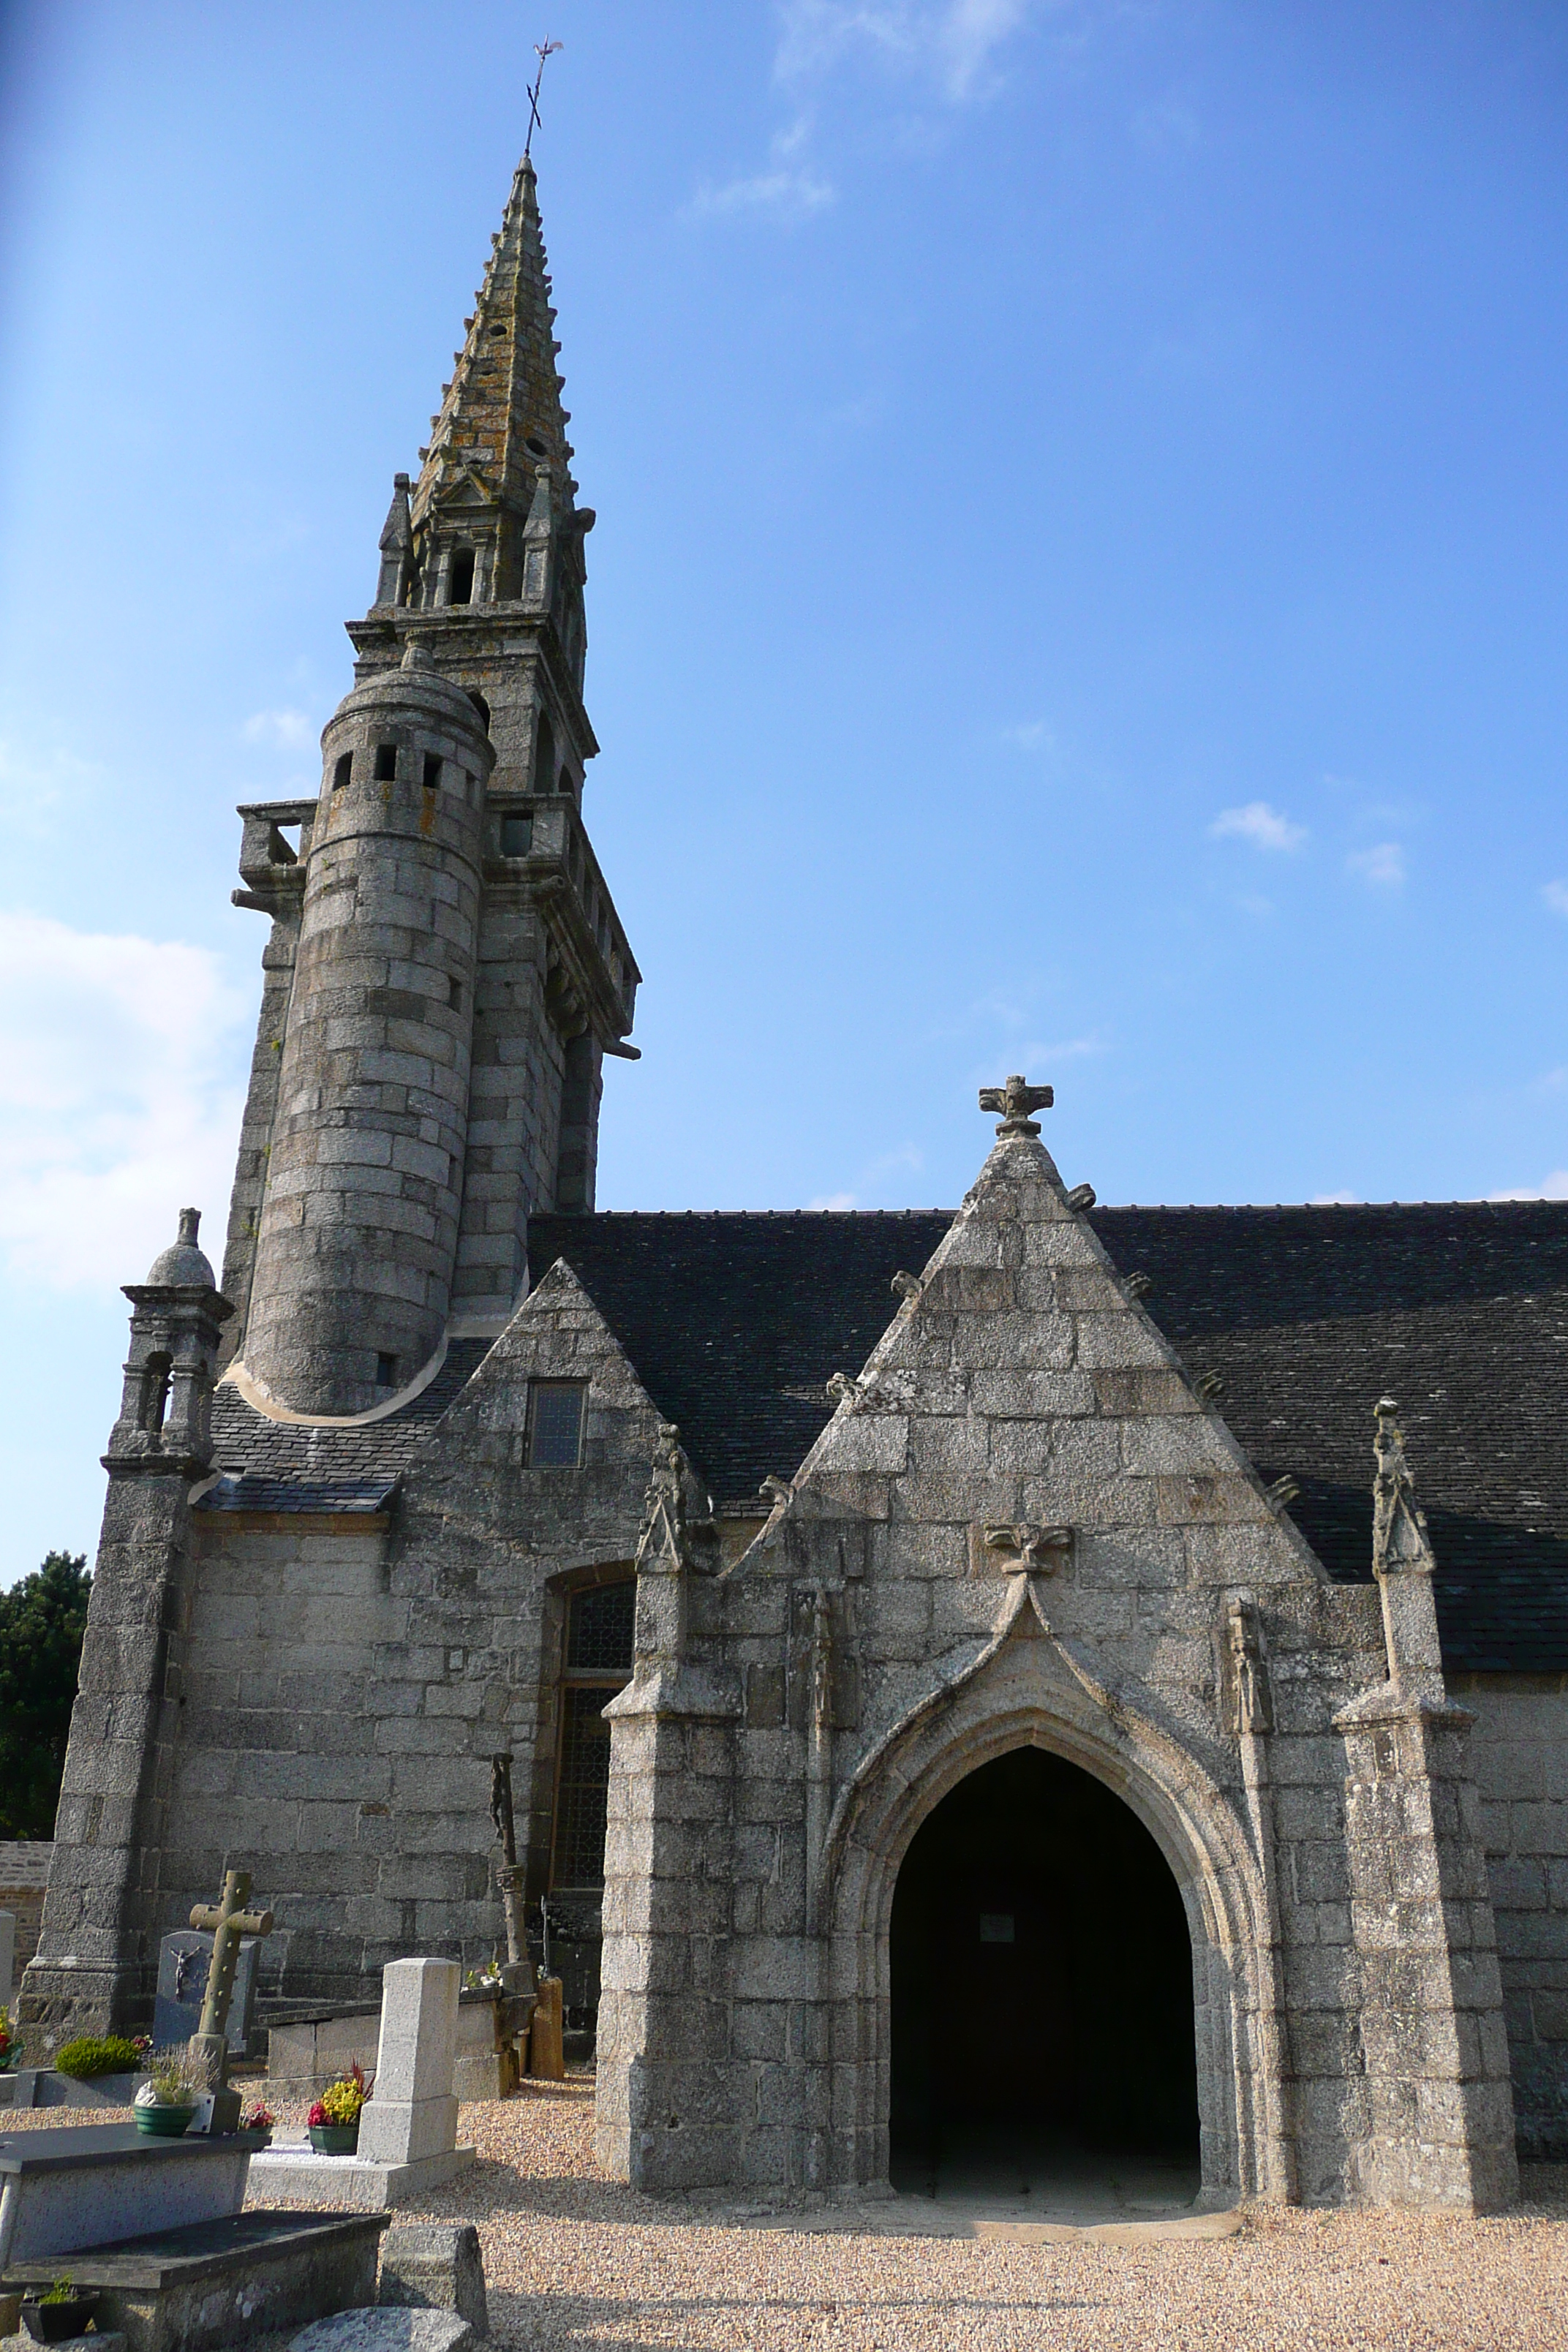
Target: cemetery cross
{"points": [[226, 1923]]}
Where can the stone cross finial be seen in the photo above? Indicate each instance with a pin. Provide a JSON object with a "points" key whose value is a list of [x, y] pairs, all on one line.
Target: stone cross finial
{"points": [[1016, 1100], [226, 1922]]}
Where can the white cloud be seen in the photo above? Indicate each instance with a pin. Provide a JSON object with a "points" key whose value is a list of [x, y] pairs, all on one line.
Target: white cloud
{"points": [[118, 1098], [1335, 1201], [834, 1201], [291, 730], [1066, 1049], [787, 195], [1556, 897], [1550, 1188], [1033, 735], [1382, 865], [950, 42], [789, 189], [1262, 826]]}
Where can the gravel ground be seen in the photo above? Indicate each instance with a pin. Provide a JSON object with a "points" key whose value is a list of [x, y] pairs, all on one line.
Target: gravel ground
{"points": [[572, 2260]]}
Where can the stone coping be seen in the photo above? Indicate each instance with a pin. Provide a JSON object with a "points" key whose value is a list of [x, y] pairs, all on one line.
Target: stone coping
{"points": [[74, 2144], [198, 2249], [324, 2012]]}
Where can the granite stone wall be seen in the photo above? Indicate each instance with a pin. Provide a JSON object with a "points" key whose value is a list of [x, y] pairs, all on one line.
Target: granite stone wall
{"points": [[351, 1680], [1519, 1746]]}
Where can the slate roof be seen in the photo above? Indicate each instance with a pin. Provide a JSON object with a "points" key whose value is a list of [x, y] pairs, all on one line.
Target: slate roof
{"points": [[281, 1466], [735, 1323], [1309, 1315]]}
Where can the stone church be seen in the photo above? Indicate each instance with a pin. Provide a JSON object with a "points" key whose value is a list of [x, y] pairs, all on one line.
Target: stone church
{"points": [[960, 1669]]}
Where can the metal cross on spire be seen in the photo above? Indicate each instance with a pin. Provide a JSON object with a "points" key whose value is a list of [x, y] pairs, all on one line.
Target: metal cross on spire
{"points": [[542, 50]]}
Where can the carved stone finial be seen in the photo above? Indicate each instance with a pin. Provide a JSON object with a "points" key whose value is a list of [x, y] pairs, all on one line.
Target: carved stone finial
{"points": [[1029, 1551], [776, 1490], [663, 1531], [1016, 1100], [905, 1284], [1081, 1197], [841, 1389]]}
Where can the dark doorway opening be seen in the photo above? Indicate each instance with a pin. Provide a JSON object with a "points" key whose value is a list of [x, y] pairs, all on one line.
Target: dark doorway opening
{"points": [[1042, 2032]]}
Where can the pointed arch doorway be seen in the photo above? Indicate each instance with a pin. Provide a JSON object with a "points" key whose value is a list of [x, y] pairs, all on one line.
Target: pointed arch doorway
{"points": [[1043, 2027]]}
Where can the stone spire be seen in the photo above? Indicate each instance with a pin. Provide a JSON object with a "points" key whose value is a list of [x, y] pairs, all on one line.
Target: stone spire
{"points": [[500, 421]]}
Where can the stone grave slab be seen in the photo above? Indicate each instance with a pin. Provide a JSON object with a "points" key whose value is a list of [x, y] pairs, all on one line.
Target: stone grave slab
{"points": [[352, 2184], [87, 2183], [214, 2284], [184, 1960], [379, 2330]]}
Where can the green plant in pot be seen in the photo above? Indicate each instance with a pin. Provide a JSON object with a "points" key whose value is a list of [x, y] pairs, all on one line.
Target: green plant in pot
{"points": [[334, 2119], [167, 2100], [55, 2318]]}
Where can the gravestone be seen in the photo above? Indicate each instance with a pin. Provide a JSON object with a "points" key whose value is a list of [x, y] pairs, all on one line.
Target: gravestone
{"points": [[413, 2112], [7, 1955], [409, 2127], [185, 1959]]}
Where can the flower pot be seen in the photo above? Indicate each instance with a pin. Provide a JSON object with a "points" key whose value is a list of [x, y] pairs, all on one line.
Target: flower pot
{"points": [[164, 2123], [56, 2323], [334, 2139]]}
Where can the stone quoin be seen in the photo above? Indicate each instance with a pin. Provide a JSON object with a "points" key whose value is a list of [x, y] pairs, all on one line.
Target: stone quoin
{"points": [[951, 1663]]}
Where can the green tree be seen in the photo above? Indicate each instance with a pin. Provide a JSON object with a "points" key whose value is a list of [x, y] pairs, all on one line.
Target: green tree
{"points": [[42, 1621]]}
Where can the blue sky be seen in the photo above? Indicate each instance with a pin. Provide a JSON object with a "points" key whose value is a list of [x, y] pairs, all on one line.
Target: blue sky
{"points": [[1079, 584]]}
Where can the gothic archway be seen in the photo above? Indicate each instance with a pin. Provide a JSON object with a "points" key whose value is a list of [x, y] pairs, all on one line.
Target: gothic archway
{"points": [[1027, 1692], [1042, 2038]]}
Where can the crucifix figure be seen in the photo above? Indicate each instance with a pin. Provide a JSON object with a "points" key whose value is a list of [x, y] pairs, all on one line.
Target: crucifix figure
{"points": [[1016, 1100], [226, 1921], [542, 50]]}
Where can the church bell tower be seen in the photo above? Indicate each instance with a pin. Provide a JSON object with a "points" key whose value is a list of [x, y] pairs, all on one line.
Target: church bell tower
{"points": [[446, 970]]}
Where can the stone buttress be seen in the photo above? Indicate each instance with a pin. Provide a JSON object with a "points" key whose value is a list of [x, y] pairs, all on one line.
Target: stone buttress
{"points": [[1027, 1524], [104, 1899]]}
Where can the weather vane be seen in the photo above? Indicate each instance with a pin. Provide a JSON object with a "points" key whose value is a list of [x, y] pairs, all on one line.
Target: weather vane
{"points": [[542, 49]]}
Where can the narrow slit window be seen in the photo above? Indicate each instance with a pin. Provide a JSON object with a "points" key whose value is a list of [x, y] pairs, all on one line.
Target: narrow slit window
{"points": [[385, 763], [432, 771], [342, 772], [555, 1425], [516, 835], [386, 1371], [461, 577], [455, 994]]}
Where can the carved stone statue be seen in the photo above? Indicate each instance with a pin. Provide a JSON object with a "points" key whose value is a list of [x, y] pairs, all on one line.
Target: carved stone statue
{"points": [[1251, 1700]]}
